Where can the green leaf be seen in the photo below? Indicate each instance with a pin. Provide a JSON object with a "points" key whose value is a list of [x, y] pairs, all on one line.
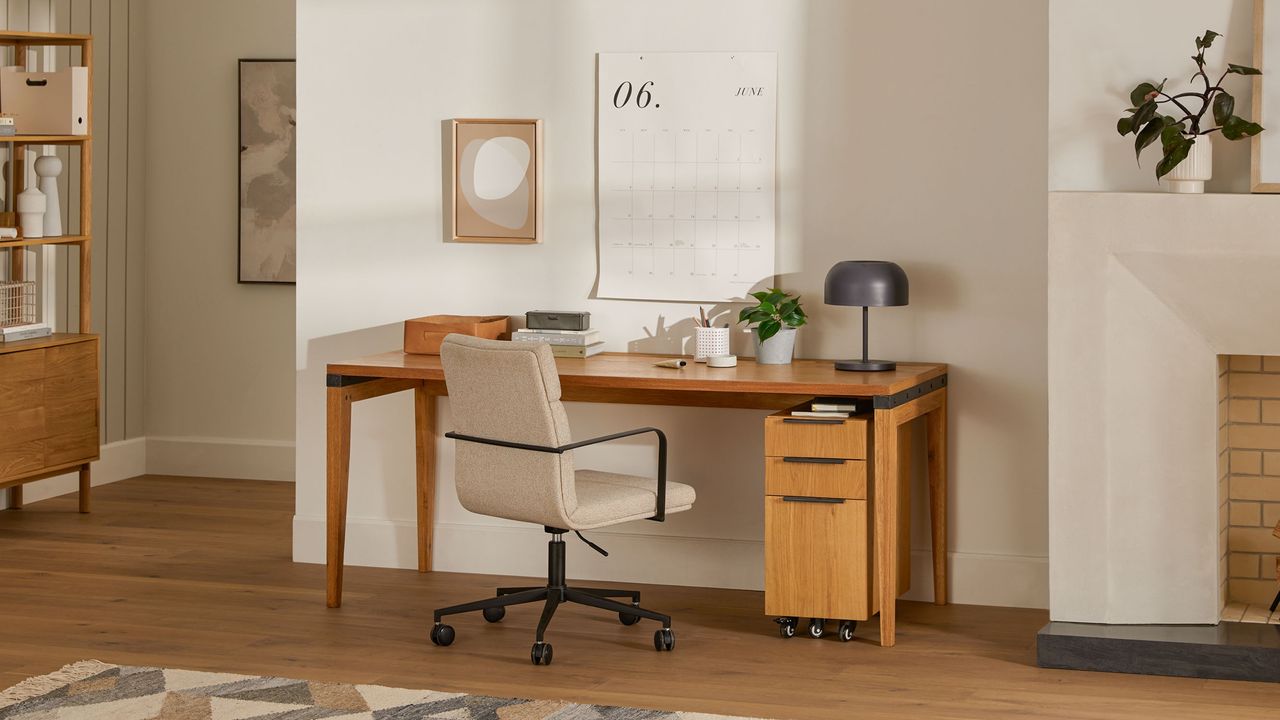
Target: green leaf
{"points": [[1147, 135], [1171, 136], [1237, 127], [766, 306], [1207, 40], [1124, 125], [1234, 69], [1173, 157], [760, 295], [745, 314], [1223, 106], [768, 329], [1145, 112], [1139, 94]]}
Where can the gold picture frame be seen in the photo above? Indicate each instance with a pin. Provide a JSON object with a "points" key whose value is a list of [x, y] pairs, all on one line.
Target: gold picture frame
{"points": [[495, 180], [1258, 184]]}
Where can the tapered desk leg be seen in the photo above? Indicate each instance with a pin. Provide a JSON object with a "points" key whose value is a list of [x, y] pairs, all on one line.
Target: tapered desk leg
{"points": [[424, 414], [15, 497], [886, 522], [338, 467], [85, 484], [936, 426]]}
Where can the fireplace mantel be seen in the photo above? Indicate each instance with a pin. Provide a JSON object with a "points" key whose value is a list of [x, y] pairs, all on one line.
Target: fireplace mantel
{"points": [[1145, 291]]}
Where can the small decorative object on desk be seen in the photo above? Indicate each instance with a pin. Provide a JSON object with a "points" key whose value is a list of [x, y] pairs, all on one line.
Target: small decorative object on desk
{"points": [[775, 318], [709, 341], [48, 168], [422, 336], [1185, 136], [866, 283], [7, 128], [31, 206], [557, 320]]}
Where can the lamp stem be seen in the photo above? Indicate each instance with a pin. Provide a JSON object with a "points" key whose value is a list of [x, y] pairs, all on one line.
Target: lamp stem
{"points": [[865, 317]]}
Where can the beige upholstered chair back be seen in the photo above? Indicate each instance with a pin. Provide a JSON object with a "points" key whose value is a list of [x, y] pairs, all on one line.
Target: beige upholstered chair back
{"points": [[509, 391]]}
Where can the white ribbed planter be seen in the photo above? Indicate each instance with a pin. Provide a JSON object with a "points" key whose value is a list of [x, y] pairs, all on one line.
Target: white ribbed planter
{"points": [[1190, 175]]}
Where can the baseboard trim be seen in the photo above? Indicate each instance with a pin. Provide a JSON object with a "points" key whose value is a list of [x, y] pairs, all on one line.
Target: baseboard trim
{"points": [[221, 458], [977, 579], [117, 461]]}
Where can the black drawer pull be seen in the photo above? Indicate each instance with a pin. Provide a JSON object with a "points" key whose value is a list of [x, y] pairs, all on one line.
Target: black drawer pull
{"points": [[814, 461], [812, 421], [824, 501], [37, 83]]}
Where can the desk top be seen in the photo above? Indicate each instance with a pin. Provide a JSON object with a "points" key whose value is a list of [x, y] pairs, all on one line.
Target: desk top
{"points": [[636, 371]]}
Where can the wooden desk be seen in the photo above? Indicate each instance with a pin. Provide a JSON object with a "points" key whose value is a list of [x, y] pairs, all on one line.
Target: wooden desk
{"points": [[913, 390]]}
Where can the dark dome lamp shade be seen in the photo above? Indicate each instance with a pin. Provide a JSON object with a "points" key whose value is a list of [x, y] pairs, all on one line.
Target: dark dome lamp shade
{"points": [[866, 283]]}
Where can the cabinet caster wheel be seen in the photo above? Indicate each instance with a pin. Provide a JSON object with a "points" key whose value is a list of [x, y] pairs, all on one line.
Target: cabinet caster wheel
{"points": [[442, 634], [817, 627], [494, 614], [846, 630], [541, 653], [627, 618], [787, 626], [664, 639]]}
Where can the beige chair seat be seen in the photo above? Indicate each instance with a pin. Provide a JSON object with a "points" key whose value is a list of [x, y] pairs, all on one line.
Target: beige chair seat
{"points": [[606, 498]]}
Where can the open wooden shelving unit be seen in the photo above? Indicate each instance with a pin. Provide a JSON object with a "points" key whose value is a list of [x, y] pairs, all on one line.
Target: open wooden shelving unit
{"points": [[49, 393]]}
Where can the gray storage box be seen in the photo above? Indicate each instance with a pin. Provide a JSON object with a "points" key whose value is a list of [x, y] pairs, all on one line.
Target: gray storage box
{"points": [[557, 320]]}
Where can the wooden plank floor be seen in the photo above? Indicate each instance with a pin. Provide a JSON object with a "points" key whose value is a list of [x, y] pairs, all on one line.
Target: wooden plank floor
{"points": [[191, 573]]}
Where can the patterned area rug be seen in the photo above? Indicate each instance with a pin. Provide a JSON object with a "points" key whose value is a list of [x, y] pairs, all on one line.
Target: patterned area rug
{"points": [[91, 689]]}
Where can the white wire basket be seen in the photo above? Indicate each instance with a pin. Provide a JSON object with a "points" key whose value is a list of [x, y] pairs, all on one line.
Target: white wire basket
{"points": [[17, 303]]}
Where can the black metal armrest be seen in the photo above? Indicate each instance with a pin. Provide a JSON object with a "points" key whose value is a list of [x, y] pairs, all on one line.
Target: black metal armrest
{"points": [[661, 512]]}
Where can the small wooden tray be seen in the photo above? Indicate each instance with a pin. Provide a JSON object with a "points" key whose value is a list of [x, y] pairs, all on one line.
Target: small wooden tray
{"points": [[422, 336]]}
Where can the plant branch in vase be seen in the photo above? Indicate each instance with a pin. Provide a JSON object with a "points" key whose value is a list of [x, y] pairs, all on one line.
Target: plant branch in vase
{"points": [[1185, 135]]}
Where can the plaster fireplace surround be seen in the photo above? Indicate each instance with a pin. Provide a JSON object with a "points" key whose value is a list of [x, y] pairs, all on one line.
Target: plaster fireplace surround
{"points": [[1146, 292]]}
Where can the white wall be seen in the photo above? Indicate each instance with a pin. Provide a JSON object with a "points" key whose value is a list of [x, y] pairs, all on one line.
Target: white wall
{"points": [[1100, 49], [890, 146], [219, 394]]}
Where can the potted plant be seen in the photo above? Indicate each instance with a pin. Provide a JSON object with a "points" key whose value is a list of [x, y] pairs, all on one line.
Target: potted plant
{"points": [[1185, 136], [775, 317]]}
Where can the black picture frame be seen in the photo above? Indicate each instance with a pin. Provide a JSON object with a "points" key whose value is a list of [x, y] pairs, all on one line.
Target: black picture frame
{"points": [[241, 147]]}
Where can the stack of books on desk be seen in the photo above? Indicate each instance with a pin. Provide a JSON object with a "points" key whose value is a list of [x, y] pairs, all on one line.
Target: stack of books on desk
{"points": [[564, 343], [30, 331], [829, 408]]}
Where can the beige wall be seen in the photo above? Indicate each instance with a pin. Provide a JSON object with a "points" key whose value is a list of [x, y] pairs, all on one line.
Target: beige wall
{"points": [[891, 144], [217, 352]]}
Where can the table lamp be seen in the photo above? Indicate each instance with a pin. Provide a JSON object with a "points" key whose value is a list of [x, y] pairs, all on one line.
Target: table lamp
{"points": [[866, 284]]}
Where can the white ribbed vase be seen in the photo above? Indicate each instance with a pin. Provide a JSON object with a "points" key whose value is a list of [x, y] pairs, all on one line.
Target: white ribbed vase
{"points": [[1190, 174]]}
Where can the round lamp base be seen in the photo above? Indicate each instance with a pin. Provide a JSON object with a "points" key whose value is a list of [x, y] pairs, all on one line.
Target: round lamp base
{"points": [[866, 366]]}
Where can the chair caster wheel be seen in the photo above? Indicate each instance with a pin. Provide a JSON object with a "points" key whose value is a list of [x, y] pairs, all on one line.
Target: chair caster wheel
{"points": [[664, 639], [541, 653], [846, 630], [627, 618], [787, 626], [817, 627], [494, 614], [442, 634]]}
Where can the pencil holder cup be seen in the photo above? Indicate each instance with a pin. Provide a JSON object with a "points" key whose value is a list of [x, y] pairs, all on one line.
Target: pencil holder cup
{"points": [[710, 342]]}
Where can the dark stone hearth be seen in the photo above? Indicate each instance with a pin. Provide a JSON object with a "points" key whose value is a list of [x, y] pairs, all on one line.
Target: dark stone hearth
{"points": [[1228, 651]]}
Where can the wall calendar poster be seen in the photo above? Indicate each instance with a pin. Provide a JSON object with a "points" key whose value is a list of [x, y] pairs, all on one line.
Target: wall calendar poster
{"points": [[686, 157]]}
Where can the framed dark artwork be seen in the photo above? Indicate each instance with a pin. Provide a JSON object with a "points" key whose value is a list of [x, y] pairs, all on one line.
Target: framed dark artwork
{"points": [[268, 161]]}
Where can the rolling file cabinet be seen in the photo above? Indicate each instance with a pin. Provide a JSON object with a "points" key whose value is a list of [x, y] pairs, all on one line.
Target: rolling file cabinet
{"points": [[819, 505]]}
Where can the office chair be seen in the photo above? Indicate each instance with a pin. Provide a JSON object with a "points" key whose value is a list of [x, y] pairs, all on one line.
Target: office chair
{"points": [[514, 460]]}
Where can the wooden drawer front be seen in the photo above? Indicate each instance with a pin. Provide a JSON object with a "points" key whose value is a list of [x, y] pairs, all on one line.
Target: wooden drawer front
{"points": [[815, 437], [816, 477], [48, 408], [816, 558]]}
